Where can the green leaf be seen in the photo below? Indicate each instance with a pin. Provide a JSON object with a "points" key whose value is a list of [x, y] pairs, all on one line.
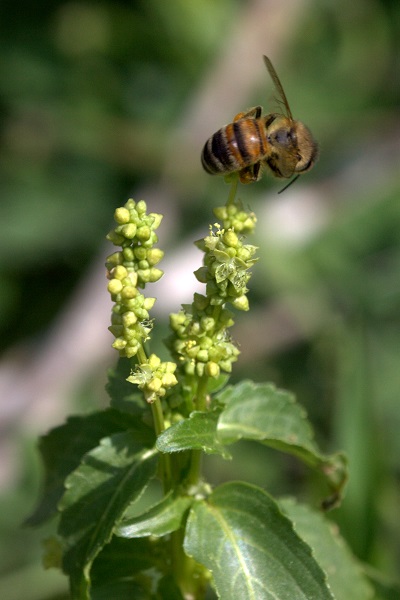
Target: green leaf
{"points": [[162, 518], [262, 412], [344, 572], [62, 450], [198, 432], [242, 537], [97, 494], [127, 569], [125, 556], [133, 569], [215, 384]]}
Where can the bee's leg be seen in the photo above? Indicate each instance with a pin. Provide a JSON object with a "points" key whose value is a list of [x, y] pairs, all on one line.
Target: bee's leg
{"points": [[251, 173], [272, 164], [254, 113]]}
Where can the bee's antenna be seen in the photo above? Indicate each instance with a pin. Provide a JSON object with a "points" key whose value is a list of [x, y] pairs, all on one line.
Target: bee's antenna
{"points": [[288, 184]]}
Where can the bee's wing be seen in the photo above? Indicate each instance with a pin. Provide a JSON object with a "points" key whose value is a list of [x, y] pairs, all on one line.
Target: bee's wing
{"points": [[278, 85]]}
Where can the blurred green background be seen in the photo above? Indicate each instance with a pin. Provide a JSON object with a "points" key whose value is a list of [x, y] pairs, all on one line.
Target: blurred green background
{"points": [[101, 101]]}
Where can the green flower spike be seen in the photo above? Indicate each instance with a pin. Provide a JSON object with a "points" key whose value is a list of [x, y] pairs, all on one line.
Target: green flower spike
{"points": [[154, 377], [130, 269], [200, 340]]}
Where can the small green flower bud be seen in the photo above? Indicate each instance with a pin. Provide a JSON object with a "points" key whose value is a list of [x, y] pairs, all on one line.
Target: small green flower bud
{"points": [[249, 224], [131, 333], [149, 303], [141, 314], [154, 361], [215, 354], [226, 366], [141, 207], [206, 342], [115, 238], [192, 351], [207, 323], [202, 356], [176, 320], [130, 304], [154, 385], [119, 272], [143, 233], [131, 351], [230, 238], [128, 256], [116, 312], [154, 255], [194, 329], [212, 369], [143, 275], [140, 253], [121, 215], [231, 251], [129, 231], [129, 292], [114, 286], [132, 279], [130, 204], [155, 274], [241, 303], [119, 343], [221, 212], [114, 259], [129, 318], [134, 216], [169, 380], [244, 253], [153, 239]]}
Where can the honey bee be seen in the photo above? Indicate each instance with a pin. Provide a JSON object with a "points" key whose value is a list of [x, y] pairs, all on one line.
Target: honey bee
{"points": [[285, 146]]}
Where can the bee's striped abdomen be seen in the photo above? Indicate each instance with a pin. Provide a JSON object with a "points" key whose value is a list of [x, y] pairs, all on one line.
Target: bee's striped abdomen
{"points": [[234, 147]]}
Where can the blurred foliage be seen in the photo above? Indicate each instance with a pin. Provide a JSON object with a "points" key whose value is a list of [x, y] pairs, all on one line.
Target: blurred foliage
{"points": [[90, 94]]}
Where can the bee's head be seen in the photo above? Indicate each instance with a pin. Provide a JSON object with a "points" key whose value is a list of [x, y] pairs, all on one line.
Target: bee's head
{"points": [[307, 147], [293, 144]]}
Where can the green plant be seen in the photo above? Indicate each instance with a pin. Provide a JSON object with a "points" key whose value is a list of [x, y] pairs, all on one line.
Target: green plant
{"points": [[235, 539]]}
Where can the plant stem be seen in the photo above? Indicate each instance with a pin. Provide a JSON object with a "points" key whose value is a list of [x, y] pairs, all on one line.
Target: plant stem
{"points": [[165, 459], [142, 356], [194, 474], [183, 566], [159, 427], [232, 191], [201, 397], [158, 416]]}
